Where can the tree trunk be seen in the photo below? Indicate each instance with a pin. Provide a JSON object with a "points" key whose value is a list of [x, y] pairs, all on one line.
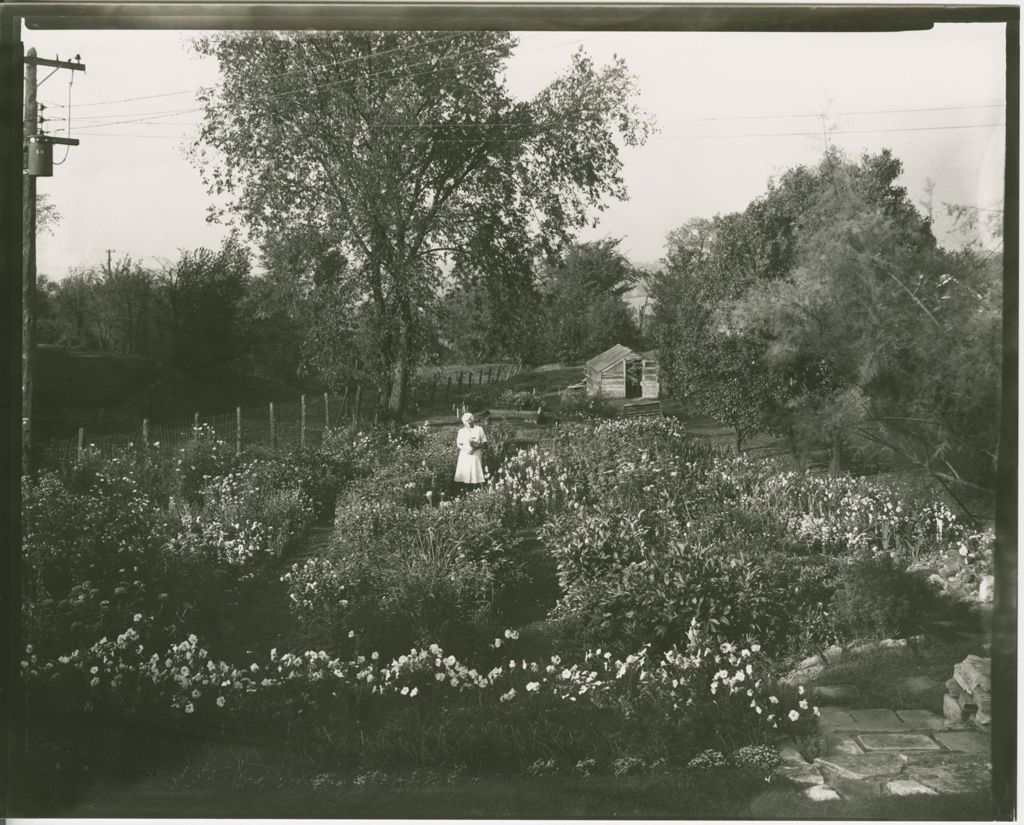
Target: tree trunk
{"points": [[400, 377], [836, 452]]}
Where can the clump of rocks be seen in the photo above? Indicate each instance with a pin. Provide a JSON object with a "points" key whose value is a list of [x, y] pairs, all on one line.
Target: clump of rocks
{"points": [[969, 693]]}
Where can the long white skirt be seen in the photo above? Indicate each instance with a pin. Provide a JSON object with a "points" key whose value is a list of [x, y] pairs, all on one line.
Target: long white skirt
{"points": [[469, 469]]}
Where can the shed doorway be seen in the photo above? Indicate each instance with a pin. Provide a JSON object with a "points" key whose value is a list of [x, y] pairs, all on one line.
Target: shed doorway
{"points": [[634, 377]]}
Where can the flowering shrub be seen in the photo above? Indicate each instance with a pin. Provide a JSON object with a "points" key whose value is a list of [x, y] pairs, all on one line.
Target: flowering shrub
{"points": [[846, 514], [203, 457], [245, 517], [725, 689], [536, 482], [409, 574], [105, 535]]}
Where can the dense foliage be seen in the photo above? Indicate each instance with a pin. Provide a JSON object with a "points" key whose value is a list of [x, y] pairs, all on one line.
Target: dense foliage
{"points": [[674, 580], [413, 157], [826, 312]]}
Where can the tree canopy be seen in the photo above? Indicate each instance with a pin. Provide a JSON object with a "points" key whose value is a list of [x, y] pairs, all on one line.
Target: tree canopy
{"points": [[827, 311], [408, 154]]}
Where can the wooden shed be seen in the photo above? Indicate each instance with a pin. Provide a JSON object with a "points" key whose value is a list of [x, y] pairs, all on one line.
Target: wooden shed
{"points": [[623, 373]]}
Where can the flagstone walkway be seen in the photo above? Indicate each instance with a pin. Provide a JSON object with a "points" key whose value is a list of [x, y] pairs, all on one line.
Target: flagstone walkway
{"points": [[877, 752]]}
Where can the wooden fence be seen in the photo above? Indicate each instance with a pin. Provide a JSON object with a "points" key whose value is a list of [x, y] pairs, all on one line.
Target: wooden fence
{"points": [[276, 426]]}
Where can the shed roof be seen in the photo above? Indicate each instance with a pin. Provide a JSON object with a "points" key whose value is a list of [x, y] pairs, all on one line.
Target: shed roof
{"points": [[610, 357]]}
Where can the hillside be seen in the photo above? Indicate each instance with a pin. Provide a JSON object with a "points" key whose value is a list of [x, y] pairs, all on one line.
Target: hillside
{"points": [[111, 393]]}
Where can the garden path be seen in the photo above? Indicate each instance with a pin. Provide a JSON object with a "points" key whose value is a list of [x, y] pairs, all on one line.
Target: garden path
{"points": [[877, 752]]}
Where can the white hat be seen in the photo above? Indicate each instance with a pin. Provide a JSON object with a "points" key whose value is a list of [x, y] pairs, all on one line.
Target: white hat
{"points": [[467, 417]]}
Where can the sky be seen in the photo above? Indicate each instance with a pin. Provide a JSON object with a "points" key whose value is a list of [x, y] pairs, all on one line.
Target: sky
{"points": [[732, 111]]}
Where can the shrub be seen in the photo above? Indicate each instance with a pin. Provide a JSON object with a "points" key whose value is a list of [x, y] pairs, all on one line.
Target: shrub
{"points": [[426, 706], [405, 575], [517, 400], [202, 458], [875, 598], [247, 517], [576, 404], [99, 535]]}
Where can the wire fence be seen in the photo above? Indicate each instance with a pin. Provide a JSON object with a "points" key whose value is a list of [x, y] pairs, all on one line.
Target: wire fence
{"points": [[284, 426]]}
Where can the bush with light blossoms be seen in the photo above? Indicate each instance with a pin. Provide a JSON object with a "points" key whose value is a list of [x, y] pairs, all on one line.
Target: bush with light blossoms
{"points": [[705, 696]]}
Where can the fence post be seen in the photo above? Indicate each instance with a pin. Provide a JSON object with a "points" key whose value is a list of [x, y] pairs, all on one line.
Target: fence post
{"points": [[344, 402], [238, 430], [489, 374], [302, 422], [458, 389], [145, 432], [327, 413], [273, 438], [356, 405], [81, 441], [481, 380], [195, 421]]}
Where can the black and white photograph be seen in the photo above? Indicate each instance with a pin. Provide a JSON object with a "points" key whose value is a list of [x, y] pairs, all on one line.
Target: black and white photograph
{"points": [[510, 411]]}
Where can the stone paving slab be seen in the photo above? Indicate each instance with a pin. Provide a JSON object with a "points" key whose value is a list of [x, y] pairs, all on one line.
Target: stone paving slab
{"points": [[789, 752], [821, 793], [962, 778], [932, 758], [877, 719], [965, 741], [841, 743], [922, 719], [872, 752], [907, 787], [833, 718], [865, 766], [897, 742], [805, 775]]}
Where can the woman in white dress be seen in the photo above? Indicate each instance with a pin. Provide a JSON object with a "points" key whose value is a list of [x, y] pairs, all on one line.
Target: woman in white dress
{"points": [[470, 441]]}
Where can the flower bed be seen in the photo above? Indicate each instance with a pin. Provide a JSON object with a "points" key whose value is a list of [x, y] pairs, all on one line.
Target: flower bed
{"points": [[685, 700]]}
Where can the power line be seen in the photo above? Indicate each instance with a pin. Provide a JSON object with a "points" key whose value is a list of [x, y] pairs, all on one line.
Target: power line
{"points": [[837, 114], [274, 95], [663, 137], [833, 132], [151, 118], [280, 74]]}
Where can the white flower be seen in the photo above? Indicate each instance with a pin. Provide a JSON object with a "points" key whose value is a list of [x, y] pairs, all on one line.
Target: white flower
{"points": [[137, 617], [794, 715], [220, 701], [375, 655], [189, 708], [508, 697], [532, 687], [414, 691], [803, 704]]}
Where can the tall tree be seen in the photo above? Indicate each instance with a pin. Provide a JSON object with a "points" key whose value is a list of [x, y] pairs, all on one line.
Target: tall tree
{"points": [[584, 310], [405, 149], [203, 292]]}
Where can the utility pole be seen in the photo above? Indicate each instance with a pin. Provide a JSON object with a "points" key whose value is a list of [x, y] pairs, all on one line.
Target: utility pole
{"points": [[38, 162], [28, 268]]}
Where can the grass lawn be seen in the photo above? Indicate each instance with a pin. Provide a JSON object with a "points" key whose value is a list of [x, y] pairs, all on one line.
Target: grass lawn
{"points": [[686, 795], [911, 677]]}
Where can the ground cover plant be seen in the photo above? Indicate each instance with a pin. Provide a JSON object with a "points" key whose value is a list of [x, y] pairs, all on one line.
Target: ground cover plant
{"points": [[681, 582]]}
